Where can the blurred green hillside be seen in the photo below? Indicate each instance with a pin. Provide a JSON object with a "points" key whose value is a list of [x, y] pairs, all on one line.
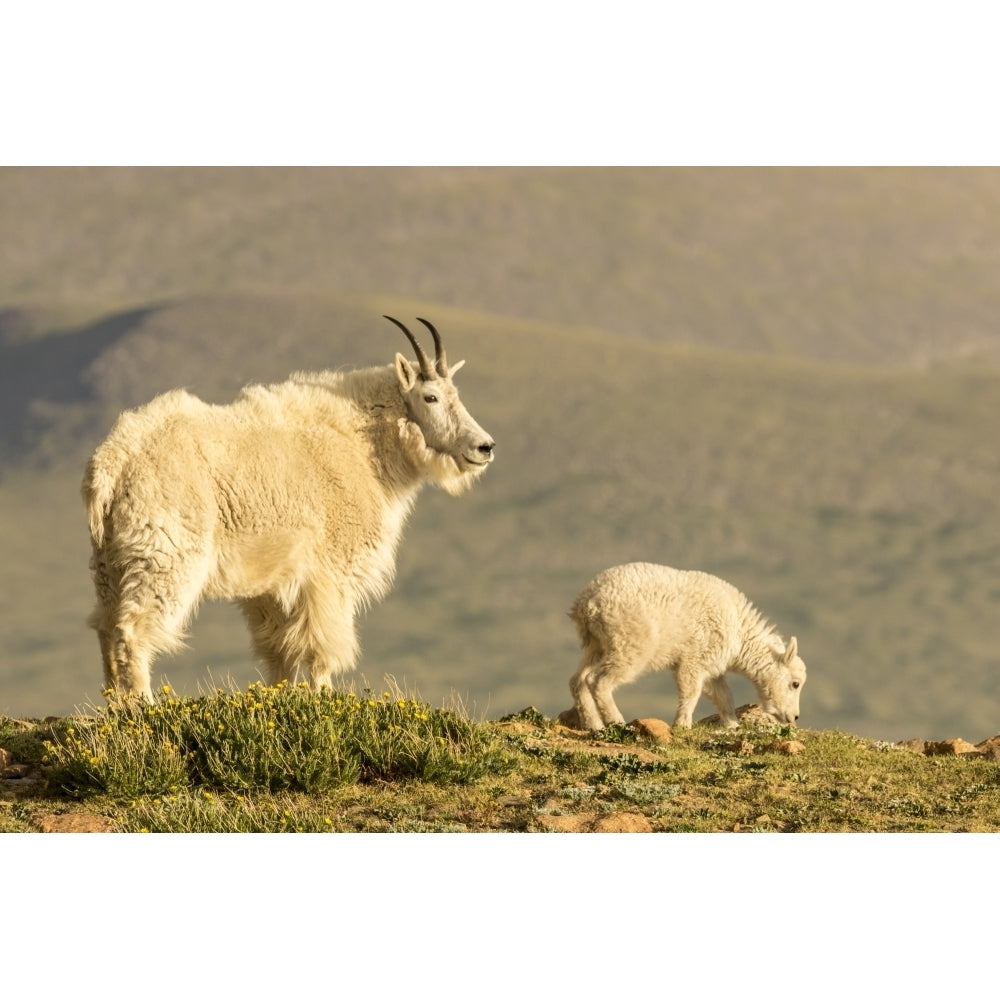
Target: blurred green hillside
{"points": [[788, 377]]}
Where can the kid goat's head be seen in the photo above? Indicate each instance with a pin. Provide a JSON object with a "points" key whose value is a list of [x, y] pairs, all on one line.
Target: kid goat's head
{"points": [[432, 404], [784, 682]]}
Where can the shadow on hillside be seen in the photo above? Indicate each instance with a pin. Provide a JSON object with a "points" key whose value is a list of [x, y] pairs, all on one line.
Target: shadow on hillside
{"points": [[40, 374]]}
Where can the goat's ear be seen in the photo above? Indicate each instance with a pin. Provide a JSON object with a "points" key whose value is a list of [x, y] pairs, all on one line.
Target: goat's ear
{"points": [[793, 648], [405, 372], [454, 368]]}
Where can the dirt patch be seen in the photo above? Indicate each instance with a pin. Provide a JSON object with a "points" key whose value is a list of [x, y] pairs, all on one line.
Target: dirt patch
{"points": [[577, 740]]}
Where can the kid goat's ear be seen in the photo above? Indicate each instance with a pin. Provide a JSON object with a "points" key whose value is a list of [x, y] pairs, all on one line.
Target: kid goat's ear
{"points": [[405, 372], [793, 648]]}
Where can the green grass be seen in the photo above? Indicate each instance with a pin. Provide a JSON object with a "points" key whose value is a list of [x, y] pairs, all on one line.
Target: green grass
{"points": [[284, 760], [265, 738]]}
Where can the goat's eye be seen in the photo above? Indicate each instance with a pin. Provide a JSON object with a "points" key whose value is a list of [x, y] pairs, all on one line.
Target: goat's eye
{"points": [[430, 398], [795, 684]]}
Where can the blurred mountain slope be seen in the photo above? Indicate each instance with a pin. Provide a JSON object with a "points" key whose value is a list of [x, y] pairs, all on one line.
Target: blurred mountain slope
{"points": [[878, 265]]}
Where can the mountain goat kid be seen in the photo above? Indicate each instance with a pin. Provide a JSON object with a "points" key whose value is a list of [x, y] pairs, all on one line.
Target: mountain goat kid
{"points": [[641, 617], [289, 500]]}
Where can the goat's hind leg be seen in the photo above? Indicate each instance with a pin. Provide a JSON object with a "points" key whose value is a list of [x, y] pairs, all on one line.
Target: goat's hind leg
{"points": [[602, 685], [102, 618], [583, 699], [154, 606], [101, 622]]}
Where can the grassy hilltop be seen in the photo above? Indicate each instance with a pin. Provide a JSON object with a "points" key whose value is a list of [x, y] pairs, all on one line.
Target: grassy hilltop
{"points": [[787, 378], [283, 760]]}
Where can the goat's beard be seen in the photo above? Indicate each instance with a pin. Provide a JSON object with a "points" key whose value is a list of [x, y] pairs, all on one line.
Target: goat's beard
{"points": [[438, 467]]}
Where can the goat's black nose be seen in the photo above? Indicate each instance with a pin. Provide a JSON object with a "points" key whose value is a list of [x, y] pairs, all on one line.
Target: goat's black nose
{"points": [[487, 449]]}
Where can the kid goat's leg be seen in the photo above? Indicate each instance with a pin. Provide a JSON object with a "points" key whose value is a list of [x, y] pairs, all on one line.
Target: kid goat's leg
{"points": [[603, 683], [588, 715], [689, 685]]}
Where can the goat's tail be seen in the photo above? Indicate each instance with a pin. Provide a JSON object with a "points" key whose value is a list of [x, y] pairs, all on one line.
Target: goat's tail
{"points": [[582, 613], [100, 483]]}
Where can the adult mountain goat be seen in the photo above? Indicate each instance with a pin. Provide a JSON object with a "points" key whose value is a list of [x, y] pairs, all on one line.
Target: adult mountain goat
{"points": [[289, 500], [641, 617]]}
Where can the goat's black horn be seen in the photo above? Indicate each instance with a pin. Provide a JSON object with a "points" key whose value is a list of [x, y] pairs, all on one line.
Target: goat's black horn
{"points": [[425, 364], [440, 363]]}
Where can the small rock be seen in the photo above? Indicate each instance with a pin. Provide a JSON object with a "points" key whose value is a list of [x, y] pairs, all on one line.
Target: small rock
{"points": [[569, 718], [949, 748], [6, 758], [914, 746], [753, 714], [621, 823], [73, 823], [787, 746], [16, 771], [990, 747], [589, 822], [655, 729]]}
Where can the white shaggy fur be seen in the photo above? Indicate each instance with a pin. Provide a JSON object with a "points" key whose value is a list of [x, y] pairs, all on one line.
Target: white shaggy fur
{"points": [[641, 617], [290, 500]]}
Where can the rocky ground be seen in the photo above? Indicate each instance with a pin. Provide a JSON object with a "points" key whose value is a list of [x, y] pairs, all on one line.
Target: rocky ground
{"points": [[637, 823]]}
